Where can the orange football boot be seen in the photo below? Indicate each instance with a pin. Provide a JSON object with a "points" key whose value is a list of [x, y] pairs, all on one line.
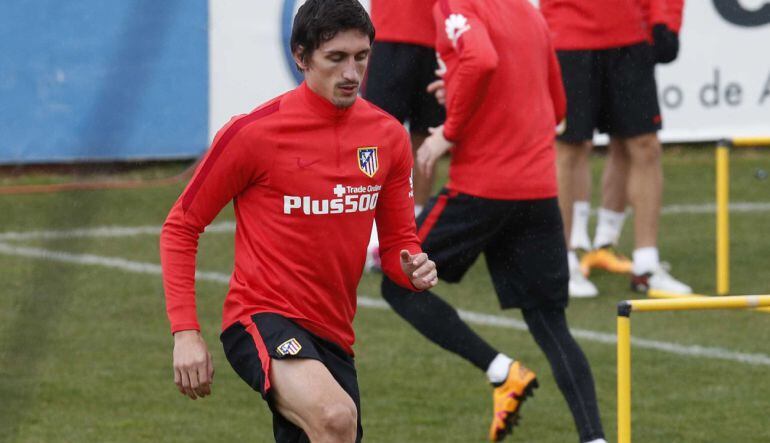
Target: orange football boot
{"points": [[508, 398], [607, 258]]}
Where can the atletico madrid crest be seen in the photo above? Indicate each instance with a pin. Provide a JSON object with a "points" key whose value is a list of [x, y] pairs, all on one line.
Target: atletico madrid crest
{"points": [[289, 347], [368, 161]]}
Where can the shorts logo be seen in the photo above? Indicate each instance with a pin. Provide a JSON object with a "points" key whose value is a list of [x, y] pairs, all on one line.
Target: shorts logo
{"points": [[368, 161], [289, 347]]}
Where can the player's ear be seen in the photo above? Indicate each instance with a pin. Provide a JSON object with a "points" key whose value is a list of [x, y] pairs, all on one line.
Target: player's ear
{"points": [[301, 58]]}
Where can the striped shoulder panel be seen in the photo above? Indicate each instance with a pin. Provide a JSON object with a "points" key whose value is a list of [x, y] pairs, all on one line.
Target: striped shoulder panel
{"points": [[216, 151]]}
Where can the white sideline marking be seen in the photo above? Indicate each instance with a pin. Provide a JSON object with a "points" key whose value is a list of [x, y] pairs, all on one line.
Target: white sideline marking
{"points": [[711, 208], [470, 317], [102, 231], [228, 226]]}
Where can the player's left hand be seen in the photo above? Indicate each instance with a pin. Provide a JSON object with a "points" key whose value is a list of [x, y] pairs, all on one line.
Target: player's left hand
{"points": [[438, 89], [665, 43], [420, 269], [432, 149]]}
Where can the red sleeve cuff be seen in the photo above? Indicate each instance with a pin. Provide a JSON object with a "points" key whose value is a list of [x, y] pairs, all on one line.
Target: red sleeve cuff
{"points": [[176, 327], [450, 133]]}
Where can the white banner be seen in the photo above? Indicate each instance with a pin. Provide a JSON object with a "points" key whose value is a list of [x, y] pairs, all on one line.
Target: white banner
{"points": [[718, 87]]}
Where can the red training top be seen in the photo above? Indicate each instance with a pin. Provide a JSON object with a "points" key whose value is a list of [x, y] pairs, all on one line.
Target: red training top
{"points": [[504, 98], [602, 24], [307, 179], [404, 21]]}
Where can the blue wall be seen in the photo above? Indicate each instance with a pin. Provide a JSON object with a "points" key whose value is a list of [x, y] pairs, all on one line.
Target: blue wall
{"points": [[103, 80]]}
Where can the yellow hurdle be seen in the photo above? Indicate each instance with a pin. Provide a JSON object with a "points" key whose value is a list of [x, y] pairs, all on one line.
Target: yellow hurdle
{"points": [[750, 142], [654, 293], [723, 202], [625, 308], [723, 217]]}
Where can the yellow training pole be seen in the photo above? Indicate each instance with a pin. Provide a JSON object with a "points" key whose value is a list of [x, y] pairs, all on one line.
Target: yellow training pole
{"points": [[723, 217], [624, 379], [655, 293], [700, 303], [745, 142]]}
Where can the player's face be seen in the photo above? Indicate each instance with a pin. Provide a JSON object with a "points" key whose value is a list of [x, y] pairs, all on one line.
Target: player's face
{"points": [[336, 69]]}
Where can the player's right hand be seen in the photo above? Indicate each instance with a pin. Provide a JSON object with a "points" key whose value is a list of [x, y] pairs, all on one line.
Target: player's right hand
{"points": [[193, 366], [434, 146], [438, 89], [420, 269]]}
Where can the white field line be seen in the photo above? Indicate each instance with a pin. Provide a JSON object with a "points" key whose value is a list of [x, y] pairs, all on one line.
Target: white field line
{"points": [[227, 227], [102, 231], [471, 317]]}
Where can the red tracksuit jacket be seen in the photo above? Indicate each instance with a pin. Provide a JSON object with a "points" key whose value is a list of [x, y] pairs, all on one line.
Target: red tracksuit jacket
{"points": [[404, 21], [307, 180], [504, 98], [602, 24]]}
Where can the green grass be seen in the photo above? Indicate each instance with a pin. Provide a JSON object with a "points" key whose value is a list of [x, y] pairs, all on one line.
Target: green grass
{"points": [[85, 353]]}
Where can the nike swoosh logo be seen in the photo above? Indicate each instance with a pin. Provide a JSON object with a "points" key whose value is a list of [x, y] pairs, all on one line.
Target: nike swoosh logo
{"points": [[302, 164]]}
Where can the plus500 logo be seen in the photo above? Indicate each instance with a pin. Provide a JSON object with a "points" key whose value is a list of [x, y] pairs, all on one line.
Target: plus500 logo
{"points": [[351, 203], [349, 199]]}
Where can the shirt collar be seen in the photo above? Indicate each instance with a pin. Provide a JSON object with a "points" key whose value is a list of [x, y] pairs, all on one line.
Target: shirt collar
{"points": [[322, 106]]}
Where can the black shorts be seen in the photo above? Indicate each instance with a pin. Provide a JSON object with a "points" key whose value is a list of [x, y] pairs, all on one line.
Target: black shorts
{"points": [[396, 80], [522, 241], [251, 347], [612, 90]]}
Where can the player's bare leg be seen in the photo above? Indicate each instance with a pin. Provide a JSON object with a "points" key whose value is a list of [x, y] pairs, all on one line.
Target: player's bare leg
{"points": [[307, 395], [611, 214], [645, 192], [615, 175], [573, 169], [645, 186]]}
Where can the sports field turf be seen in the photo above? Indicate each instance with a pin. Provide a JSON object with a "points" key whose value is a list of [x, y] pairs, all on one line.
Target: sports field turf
{"points": [[85, 353]]}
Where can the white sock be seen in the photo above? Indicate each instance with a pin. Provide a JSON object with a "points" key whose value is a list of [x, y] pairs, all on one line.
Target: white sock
{"points": [[608, 227], [598, 440], [573, 262], [497, 371], [417, 210], [579, 235], [645, 260]]}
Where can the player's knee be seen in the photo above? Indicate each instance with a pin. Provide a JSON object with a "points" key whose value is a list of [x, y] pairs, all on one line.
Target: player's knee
{"points": [[572, 152], [338, 421], [645, 149]]}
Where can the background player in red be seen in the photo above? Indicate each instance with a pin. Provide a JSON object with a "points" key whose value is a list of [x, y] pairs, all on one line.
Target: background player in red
{"points": [[308, 173], [504, 97], [608, 50], [402, 65]]}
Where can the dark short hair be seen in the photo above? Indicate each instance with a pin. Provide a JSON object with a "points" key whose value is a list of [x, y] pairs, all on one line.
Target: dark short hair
{"points": [[318, 21]]}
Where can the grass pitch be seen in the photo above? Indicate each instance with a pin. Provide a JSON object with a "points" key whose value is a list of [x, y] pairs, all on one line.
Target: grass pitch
{"points": [[85, 353]]}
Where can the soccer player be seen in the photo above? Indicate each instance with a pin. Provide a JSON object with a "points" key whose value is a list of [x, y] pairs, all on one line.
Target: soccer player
{"points": [[504, 97], [308, 172], [402, 65], [608, 50]]}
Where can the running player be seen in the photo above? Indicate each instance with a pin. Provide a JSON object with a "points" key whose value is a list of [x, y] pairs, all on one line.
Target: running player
{"points": [[504, 97], [308, 173]]}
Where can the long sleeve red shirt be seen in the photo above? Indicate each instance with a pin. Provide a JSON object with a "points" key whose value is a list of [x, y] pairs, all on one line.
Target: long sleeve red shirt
{"points": [[307, 180], [504, 98], [404, 21], [602, 24]]}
